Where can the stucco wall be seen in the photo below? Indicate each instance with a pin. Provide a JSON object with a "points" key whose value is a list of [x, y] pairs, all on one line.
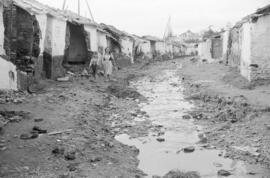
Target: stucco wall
{"points": [[102, 41], [59, 36], [245, 52], [42, 21], [93, 37], [8, 75], [260, 48], [204, 50], [160, 47], [1, 30], [225, 37], [146, 47], [234, 53], [127, 46]]}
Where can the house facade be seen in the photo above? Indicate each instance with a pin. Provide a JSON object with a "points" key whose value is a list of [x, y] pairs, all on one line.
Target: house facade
{"points": [[249, 46], [8, 71]]}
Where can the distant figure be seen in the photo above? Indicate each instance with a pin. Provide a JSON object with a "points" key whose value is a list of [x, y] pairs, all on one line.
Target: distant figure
{"points": [[94, 64], [108, 63]]}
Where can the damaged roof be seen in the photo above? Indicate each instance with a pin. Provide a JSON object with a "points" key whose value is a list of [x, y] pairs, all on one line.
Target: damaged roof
{"points": [[115, 32], [254, 16], [35, 7], [152, 38]]}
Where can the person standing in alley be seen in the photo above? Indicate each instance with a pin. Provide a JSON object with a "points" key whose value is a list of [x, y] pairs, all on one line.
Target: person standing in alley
{"points": [[108, 63], [94, 64]]}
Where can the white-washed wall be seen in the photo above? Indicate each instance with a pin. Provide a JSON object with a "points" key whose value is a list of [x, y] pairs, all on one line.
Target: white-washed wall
{"points": [[245, 52], [93, 36], [127, 46], [42, 21], [8, 75], [204, 50], [160, 47], [225, 37], [102, 40], [59, 37]]}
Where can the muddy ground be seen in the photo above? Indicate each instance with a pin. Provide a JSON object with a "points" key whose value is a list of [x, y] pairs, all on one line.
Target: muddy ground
{"points": [[76, 121]]}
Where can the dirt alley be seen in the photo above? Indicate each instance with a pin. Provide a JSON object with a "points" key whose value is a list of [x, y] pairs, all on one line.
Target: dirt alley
{"points": [[88, 114]]}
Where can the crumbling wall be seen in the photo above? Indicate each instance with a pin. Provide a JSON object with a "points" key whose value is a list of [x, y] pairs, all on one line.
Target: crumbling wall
{"points": [[260, 49], [77, 49], [22, 40], [234, 47]]}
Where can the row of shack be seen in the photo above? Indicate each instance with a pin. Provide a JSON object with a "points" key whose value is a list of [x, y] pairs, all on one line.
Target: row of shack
{"points": [[40, 42], [245, 46]]}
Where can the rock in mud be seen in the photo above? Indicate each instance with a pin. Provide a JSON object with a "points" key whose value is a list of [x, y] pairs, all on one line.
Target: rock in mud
{"points": [[71, 155], [224, 173], [15, 119], [39, 120], [95, 159], [186, 117], [58, 151], [39, 130], [29, 136], [189, 149], [203, 138], [161, 139], [180, 174], [72, 167]]}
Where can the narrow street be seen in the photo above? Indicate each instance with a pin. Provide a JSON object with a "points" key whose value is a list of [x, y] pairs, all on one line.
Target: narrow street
{"points": [[140, 124]]}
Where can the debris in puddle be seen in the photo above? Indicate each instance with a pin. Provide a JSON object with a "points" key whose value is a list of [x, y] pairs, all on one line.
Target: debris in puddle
{"points": [[189, 149], [29, 136], [224, 173], [161, 139]]}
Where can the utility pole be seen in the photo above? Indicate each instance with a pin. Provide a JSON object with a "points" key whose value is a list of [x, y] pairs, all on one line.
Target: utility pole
{"points": [[66, 5], [90, 12], [79, 7]]}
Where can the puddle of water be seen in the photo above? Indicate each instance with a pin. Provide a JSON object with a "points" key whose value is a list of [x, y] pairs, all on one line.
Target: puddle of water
{"points": [[166, 107]]}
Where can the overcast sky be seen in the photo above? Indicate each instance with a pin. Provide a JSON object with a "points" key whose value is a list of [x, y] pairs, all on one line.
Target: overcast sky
{"points": [[149, 17]]}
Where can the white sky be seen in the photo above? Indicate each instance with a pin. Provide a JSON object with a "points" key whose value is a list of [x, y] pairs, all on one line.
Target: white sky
{"points": [[149, 17]]}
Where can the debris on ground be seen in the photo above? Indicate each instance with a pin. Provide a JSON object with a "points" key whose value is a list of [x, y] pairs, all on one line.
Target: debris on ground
{"points": [[189, 149], [180, 174], [224, 173]]}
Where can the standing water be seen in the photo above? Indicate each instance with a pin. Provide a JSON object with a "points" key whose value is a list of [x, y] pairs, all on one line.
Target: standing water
{"points": [[166, 107]]}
